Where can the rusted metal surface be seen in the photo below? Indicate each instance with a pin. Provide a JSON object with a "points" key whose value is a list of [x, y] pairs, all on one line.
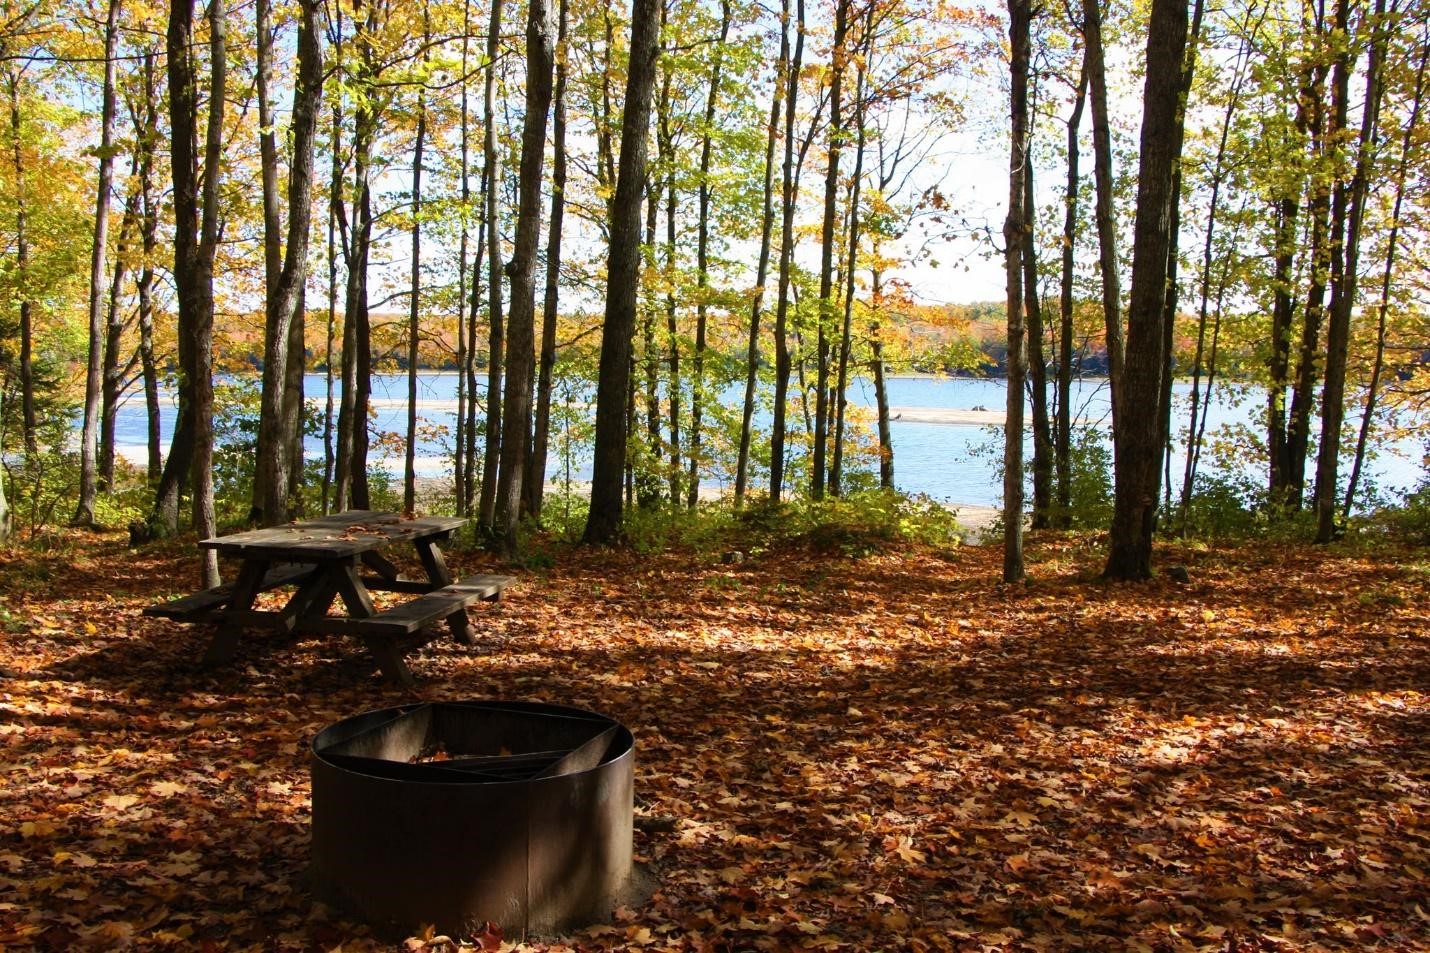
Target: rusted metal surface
{"points": [[457, 813]]}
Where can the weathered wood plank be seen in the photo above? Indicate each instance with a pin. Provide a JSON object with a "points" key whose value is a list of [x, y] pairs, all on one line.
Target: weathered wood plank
{"points": [[409, 617], [192, 607]]}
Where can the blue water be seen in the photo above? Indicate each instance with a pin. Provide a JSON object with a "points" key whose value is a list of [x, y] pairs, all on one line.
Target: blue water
{"points": [[957, 463]]}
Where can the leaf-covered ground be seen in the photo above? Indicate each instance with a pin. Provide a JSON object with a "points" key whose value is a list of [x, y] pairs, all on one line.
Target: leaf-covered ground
{"points": [[893, 752]]}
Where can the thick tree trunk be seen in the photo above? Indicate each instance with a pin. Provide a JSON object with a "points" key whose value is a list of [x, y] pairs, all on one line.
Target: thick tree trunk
{"points": [[1019, 23], [521, 323], [603, 525], [98, 276], [1136, 432]]}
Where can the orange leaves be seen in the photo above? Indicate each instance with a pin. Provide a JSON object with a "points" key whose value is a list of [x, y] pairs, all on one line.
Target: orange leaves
{"points": [[836, 754]]}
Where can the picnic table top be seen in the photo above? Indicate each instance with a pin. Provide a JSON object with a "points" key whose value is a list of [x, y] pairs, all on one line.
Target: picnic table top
{"points": [[334, 536]]}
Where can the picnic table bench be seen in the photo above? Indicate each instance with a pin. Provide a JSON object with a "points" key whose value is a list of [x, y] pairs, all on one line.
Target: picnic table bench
{"points": [[338, 558]]}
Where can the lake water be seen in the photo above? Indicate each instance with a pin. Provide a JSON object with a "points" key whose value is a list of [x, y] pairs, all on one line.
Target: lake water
{"points": [[954, 462]]}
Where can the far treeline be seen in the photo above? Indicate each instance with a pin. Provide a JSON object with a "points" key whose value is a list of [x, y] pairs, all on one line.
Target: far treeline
{"points": [[572, 203]]}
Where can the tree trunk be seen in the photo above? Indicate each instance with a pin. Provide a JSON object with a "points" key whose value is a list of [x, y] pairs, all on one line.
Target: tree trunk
{"points": [[98, 274], [464, 344], [789, 195], [1208, 247], [414, 300], [28, 422], [702, 260], [1104, 214], [1391, 242], [1171, 289], [115, 368], [1349, 207], [1037, 364], [1135, 435], [1063, 452], [286, 268], [826, 249], [496, 347], [767, 219], [521, 323], [840, 397], [1019, 23], [146, 137], [603, 525], [881, 391], [536, 466]]}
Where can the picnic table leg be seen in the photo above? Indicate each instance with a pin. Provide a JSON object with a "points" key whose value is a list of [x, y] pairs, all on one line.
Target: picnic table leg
{"points": [[440, 576], [432, 561], [224, 644], [359, 605]]}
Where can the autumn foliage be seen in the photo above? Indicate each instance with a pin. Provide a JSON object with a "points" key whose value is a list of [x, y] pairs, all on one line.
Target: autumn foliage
{"points": [[889, 752]]}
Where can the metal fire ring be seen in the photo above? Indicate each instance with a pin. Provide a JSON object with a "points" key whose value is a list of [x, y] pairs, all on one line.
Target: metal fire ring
{"points": [[458, 813]]}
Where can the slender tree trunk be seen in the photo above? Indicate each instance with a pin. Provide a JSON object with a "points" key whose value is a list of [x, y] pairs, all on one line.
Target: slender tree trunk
{"points": [[666, 158], [1171, 289], [414, 303], [826, 250], [28, 423], [1382, 310], [146, 121], [98, 273], [767, 219], [201, 478], [521, 324], [536, 468], [286, 270], [1037, 363], [496, 348], [1019, 23], [702, 260], [1104, 213], [1135, 435], [459, 448], [115, 367], [603, 525], [1349, 207], [841, 395], [335, 212], [789, 196], [1303, 397], [1063, 451], [881, 390], [1208, 249]]}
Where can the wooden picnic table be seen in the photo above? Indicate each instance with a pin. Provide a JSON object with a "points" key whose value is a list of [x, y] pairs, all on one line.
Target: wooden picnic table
{"points": [[337, 558]]}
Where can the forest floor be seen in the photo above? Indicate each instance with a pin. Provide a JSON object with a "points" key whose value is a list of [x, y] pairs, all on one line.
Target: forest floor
{"points": [[887, 752]]}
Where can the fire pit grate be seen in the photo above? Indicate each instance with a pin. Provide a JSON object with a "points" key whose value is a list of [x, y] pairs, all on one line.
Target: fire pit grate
{"points": [[458, 813]]}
